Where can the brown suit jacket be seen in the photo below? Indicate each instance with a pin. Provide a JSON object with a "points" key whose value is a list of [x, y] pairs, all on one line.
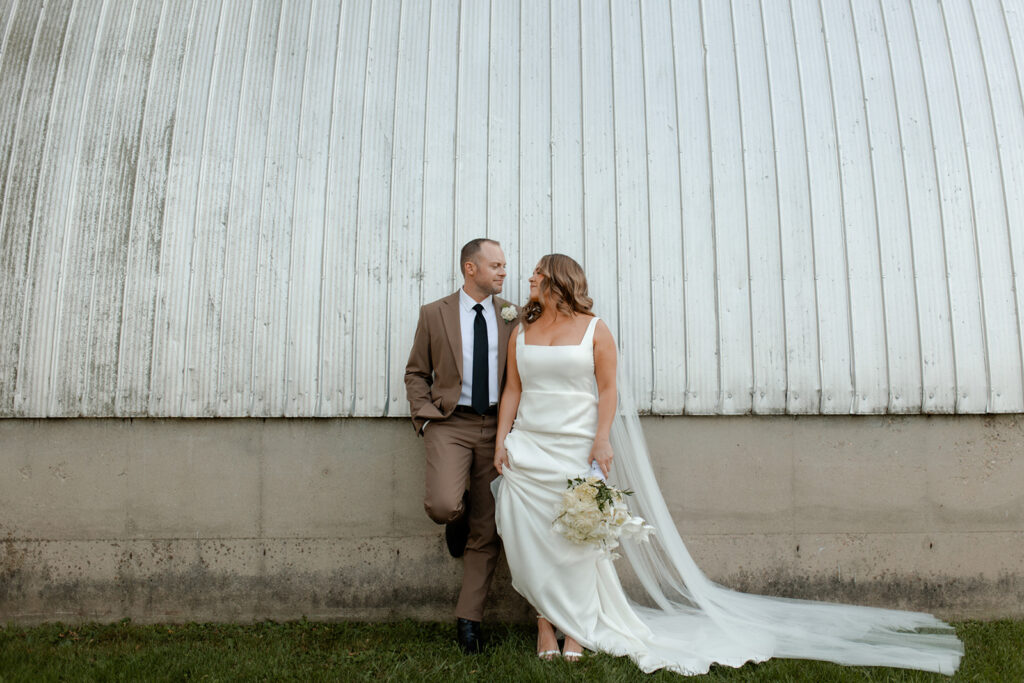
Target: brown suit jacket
{"points": [[433, 374]]}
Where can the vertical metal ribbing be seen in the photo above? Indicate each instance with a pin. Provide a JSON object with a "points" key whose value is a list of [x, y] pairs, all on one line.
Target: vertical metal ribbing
{"points": [[391, 215], [325, 229], [906, 192], [551, 128], [874, 202], [682, 225], [259, 234], [1020, 93], [288, 306], [131, 226], [778, 214], [84, 406], [974, 219], [938, 190], [163, 210], [1013, 54], [810, 202], [203, 159], [39, 367], [746, 200], [12, 157], [522, 268], [426, 133], [615, 175], [8, 26], [18, 342], [649, 396], [355, 219], [19, 394], [854, 407], [8, 29], [1002, 185], [583, 142], [714, 220], [455, 147], [231, 194], [487, 117]]}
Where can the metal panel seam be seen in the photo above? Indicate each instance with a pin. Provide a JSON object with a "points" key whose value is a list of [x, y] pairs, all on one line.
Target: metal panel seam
{"points": [[231, 193], [874, 202], [131, 217], [778, 214], [974, 218], [163, 210], [855, 404], [83, 408], [1002, 184], [906, 192]]}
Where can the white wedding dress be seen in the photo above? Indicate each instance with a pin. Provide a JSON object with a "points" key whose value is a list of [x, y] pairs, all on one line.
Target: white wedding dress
{"points": [[688, 622]]}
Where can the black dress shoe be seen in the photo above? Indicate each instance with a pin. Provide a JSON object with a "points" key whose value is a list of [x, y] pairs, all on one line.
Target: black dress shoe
{"points": [[457, 533], [469, 636]]}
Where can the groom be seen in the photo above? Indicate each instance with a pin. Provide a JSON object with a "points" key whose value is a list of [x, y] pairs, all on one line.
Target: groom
{"points": [[453, 379]]}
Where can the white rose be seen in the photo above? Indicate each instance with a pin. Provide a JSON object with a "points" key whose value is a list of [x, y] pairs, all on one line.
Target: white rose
{"points": [[508, 313]]}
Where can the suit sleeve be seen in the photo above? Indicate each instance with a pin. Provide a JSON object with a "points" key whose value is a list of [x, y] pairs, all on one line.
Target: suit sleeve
{"points": [[419, 373]]}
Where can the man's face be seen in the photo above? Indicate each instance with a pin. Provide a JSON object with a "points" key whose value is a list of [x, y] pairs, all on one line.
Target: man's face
{"points": [[487, 270]]}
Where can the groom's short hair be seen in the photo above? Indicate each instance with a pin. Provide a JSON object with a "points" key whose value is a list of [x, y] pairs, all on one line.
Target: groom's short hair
{"points": [[471, 249]]}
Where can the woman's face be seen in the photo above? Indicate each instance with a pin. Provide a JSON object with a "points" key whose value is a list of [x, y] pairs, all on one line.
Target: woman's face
{"points": [[535, 281]]}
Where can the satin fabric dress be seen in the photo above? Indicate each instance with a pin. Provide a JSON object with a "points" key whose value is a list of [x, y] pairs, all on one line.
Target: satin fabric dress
{"points": [[574, 586]]}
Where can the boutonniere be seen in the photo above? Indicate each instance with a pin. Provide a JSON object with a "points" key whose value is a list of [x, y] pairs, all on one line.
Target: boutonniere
{"points": [[508, 313]]}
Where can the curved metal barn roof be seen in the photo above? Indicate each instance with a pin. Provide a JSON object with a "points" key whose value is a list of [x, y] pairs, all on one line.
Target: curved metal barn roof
{"points": [[235, 208]]}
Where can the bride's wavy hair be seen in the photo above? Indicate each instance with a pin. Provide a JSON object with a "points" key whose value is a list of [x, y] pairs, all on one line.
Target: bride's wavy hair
{"points": [[565, 283]]}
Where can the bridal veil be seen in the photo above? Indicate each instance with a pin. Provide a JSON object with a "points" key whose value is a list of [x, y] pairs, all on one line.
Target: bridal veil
{"points": [[679, 601]]}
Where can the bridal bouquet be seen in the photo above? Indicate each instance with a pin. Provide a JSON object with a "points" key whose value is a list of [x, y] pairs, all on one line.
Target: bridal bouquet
{"points": [[594, 513]]}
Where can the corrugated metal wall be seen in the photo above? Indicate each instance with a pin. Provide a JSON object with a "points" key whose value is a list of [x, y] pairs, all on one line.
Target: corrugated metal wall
{"points": [[235, 208]]}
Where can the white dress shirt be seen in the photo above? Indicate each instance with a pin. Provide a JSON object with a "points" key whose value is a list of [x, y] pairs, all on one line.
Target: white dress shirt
{"points": [[467, 316]]}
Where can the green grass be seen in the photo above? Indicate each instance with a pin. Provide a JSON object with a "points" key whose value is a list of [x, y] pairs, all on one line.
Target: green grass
{"points": [[403, 651]]}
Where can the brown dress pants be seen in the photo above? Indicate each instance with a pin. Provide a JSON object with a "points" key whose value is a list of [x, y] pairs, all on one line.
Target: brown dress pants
{"points": [[461, 448]]}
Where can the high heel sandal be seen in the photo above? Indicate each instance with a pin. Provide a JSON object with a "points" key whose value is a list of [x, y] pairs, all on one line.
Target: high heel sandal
{"points": [[547, 655], [573, 655]]}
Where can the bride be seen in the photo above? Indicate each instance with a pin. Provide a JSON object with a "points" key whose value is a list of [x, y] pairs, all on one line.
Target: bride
{"points": [[562, 410]]}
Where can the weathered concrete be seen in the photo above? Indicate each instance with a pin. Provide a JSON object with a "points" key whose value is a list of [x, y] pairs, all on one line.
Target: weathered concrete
{"points": [[175, 520]]}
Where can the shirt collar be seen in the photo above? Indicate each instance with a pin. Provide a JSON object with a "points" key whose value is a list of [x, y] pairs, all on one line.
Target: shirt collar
{"points": [[467, 303]]}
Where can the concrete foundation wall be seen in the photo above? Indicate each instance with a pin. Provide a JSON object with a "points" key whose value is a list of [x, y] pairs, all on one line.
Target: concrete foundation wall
{"points": [[176, 520]]}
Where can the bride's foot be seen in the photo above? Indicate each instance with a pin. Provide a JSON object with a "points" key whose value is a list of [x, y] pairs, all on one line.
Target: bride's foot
{"points": [[547, 644], [572, 651]]}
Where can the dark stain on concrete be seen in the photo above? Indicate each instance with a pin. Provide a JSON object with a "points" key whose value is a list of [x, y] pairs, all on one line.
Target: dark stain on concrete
{"points": [[944, 595], [167, 589]]}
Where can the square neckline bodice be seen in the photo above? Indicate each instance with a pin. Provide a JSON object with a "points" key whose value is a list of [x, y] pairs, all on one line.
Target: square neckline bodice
{"points": [[581, 342]]}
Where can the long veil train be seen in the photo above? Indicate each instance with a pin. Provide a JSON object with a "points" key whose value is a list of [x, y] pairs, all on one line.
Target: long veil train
{"points": [[760, 625]]}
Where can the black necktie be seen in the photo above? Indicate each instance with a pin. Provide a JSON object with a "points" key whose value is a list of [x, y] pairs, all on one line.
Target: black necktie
{"points": [[481, 393]]}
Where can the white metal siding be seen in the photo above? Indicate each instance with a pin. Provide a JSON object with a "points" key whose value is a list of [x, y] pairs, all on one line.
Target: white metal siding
{"points": [[235, 208]]}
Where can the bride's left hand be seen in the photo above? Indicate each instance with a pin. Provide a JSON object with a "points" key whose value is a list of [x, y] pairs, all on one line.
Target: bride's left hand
{"points": [[500, 459], [601, 452]]}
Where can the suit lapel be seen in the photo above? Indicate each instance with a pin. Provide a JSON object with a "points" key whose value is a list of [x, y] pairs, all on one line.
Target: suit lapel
{"points": [[453, 328], [504, 332]]}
